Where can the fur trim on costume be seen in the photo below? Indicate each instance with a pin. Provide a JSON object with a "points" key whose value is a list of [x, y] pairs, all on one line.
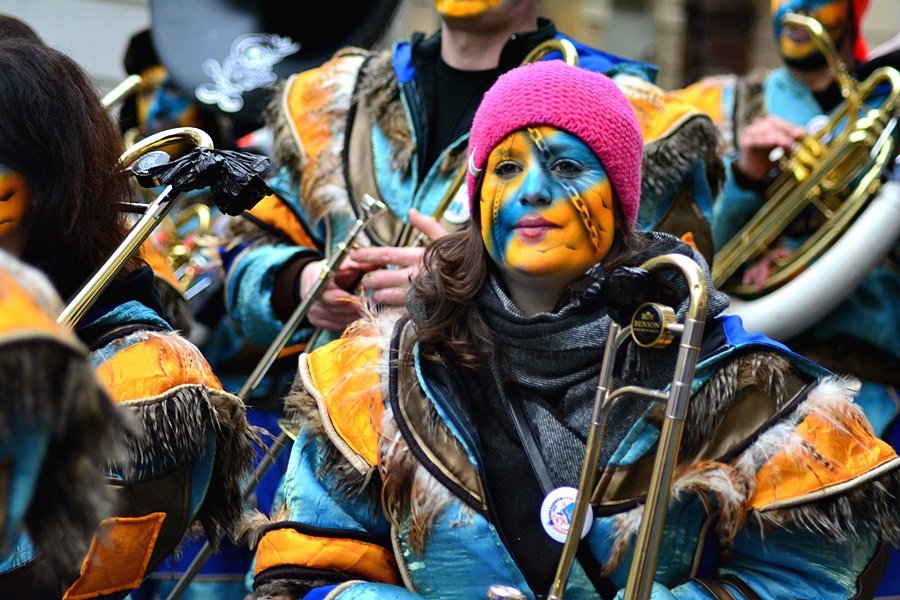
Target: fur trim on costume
{"points": [[869, 507], [669, 159], [173, 429], [285, 589], [379, 87], [51, 383], [763, 370]]}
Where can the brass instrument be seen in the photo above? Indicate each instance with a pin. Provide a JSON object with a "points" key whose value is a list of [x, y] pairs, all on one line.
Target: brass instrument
{"points": [[652, 326], [856, 144], [122, 90], [371, 209], [570, 55], [176, 140], [190, 245]]}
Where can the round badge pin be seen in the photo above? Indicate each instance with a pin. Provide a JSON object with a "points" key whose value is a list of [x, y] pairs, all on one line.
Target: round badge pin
{"points": [[557, 511]]}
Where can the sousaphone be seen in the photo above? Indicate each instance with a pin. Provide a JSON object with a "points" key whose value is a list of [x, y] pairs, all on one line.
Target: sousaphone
{"points": [[835, 179]]}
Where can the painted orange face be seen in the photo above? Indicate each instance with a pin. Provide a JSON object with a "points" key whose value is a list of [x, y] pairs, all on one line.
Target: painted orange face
{"points": [[796, 44], [546, 205], [465, 8], [14, 196]]}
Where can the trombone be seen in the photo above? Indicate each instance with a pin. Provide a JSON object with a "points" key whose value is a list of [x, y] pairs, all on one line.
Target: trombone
{"points": [[136, 159], [653, 325]]}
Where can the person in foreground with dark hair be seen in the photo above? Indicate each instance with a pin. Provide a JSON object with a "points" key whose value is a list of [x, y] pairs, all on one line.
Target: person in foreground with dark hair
{"points": [[187, 444], [439, 448]]}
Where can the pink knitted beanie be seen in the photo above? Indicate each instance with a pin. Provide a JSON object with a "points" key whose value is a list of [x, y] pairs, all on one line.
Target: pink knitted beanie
{"points": [[584, 103]]}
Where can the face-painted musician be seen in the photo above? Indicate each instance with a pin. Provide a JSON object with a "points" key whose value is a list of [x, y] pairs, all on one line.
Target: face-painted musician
{"points": [[394, 124], [438, 450], [187, 443], [860, 333]]}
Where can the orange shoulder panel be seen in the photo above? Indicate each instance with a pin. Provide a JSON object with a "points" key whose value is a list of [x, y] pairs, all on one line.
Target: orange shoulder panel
{"points": [[273, 211], [153, 366], [355, 557], [658, 112], [706, 95], [346, 375], [833, 451]]}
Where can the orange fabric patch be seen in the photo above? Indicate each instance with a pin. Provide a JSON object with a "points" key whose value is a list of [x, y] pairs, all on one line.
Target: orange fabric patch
{"points": [[345, 372], [688, 238], [290, 547], [118, 556], [832, 456], [154, 366], [19, 311], [273, 211]]}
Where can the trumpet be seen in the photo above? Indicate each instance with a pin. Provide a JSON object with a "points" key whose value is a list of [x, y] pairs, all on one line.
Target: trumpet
{"points": [[139, 157], [570, 56], [837, 170], [653, 325]]}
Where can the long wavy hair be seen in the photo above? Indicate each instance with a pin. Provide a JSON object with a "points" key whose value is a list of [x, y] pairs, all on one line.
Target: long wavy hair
{"points": [[56, 133], [456, 267]]}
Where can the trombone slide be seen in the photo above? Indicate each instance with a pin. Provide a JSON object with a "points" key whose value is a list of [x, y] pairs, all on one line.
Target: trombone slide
{"points": [[646, 550]]}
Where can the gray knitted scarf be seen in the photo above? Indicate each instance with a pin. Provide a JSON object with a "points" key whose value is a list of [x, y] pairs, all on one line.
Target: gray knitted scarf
{"points": [[550, 362]]}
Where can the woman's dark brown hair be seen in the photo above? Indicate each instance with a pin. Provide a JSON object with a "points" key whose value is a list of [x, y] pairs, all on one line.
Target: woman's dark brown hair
{"points": [[57, 134], [456, 267]]}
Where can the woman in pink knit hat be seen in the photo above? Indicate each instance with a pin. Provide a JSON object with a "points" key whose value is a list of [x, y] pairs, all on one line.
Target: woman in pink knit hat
{"points": [[439, 450]]}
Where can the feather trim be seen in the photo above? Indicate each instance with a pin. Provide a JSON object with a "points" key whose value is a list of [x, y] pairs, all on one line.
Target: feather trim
{"points": [[51, 383], [668, 160], [411, 497], [319, 169], [868, 507]]}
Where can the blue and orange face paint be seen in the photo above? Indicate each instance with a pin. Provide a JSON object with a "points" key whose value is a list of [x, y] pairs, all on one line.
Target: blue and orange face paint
{"points": [[834, 15], [546, 204]]}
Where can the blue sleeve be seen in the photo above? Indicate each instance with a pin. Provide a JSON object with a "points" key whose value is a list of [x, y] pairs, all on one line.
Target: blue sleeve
{"points": [[248, 292], [734, 207]]}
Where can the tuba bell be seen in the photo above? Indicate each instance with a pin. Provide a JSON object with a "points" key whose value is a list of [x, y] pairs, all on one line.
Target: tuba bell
{"points": [[823, 187]]}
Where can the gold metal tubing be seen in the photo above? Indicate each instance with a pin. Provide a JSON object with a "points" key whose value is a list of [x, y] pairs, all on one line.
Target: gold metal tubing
{"points": [[127, 86], [615, 337], [371, 208], [644, 556], [820, 171], [154, 214]]}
